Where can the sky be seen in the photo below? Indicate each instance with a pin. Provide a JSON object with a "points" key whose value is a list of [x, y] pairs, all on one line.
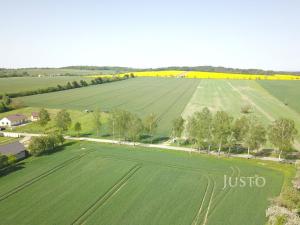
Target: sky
{"points": [[261, 34]]}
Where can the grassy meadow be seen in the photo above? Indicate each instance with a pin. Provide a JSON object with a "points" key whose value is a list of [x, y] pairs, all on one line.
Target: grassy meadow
{"points": [[7, 140], [133, 185]]}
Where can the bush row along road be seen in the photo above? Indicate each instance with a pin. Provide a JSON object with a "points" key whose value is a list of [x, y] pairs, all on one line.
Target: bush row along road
{"points": [[159, 146]]}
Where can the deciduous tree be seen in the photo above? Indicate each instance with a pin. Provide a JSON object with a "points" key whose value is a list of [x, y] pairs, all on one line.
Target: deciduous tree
{"points": [[44, 117], [151, 124], [255, 137], [282, 134], [97, 120], [77, 128], [63, 120], [135, 128], [177, 127], [222, 126]]}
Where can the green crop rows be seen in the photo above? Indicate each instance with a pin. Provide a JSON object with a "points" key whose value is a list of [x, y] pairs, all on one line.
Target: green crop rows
{"points": [[104, 184]]}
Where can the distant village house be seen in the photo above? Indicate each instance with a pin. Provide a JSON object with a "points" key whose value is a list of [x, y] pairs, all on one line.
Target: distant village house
{"points": [[35, 116], [13, 120]]}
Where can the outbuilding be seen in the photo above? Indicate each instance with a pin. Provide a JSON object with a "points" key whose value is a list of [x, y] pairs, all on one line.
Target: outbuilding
{"points": [[35, 116], [16, 149]]}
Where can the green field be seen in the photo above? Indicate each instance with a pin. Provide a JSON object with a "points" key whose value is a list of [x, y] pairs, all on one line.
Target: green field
{"points": [[103, 184], [171, 97], [286, 91], [167, 97], [18, 84], [54, 71], [231, 95]]}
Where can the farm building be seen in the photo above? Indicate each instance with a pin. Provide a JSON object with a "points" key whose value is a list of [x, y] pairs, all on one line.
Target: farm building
{"points": [[13, 120], [34, 116], [16, 149]]}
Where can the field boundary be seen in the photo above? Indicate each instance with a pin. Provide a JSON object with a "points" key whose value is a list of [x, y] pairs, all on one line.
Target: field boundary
{"points": [[106, 196], [138, 144], [41, 176]]}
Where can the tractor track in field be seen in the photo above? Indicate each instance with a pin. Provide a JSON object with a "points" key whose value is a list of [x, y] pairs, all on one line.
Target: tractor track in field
{"points": [[85, 97], [41, 176], [173, 166], [79, 100], [117, 95], [149, 88], [183, 93], [106, 196], [159, 97], [210, 202], [196, 219], [192, 97], [224, 196], [243, 96]]}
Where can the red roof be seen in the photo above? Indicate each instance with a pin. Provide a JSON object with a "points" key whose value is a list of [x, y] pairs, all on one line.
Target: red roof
{"points": [[35, 114], [16, 117]]}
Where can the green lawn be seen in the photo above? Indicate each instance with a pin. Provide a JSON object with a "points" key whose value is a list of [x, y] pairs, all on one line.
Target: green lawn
{"points": [[7, 140], [18, 84], [89, 183], [167, 97], [85, 119]]}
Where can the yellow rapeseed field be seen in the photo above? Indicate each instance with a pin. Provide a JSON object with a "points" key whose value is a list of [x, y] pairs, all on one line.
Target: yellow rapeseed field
{"points": [[212, 75], [204, 75]]}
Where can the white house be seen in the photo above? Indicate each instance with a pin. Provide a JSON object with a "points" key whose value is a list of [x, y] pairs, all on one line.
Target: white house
{"points": [[13, 120]]}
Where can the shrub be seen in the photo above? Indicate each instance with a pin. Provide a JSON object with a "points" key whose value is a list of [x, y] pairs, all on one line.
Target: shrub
{"points": [[246, 109], [281, 216]]}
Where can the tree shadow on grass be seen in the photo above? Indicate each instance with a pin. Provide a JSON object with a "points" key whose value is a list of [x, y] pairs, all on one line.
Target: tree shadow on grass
{"points": [[86, 134], [147, 139], [58, 148], [294, 155], [12, 168], [238, 149], [264, 152]]}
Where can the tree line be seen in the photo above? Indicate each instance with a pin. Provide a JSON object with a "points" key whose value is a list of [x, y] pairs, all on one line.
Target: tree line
{"points": [[220, 131], [69, 85], [122, 124], [50, 140], [205, 130], [5, 73], [5, 103], [218, 69]]}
